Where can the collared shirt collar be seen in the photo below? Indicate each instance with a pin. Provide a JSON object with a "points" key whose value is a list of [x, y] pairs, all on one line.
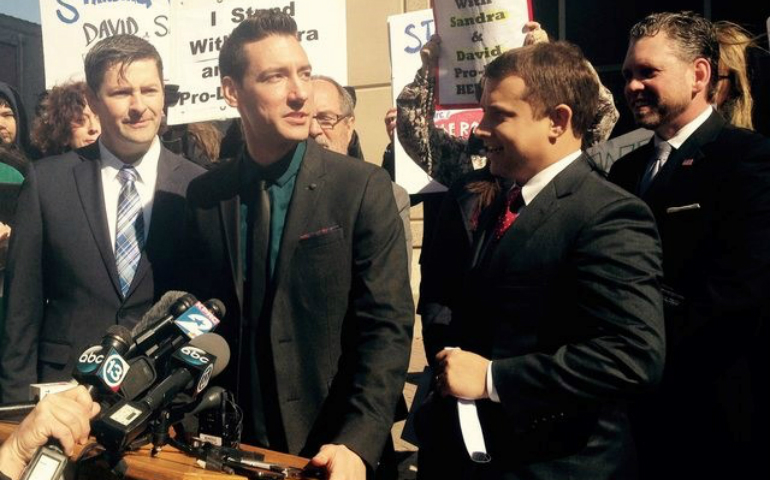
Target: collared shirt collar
{"points": [[537, 183], [146, 167], [277, 173], [684, 133]]}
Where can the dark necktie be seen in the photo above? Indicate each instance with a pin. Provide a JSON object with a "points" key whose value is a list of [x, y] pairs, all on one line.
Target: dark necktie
{"points": [[509, 213], [129, 234], [659, 157]]}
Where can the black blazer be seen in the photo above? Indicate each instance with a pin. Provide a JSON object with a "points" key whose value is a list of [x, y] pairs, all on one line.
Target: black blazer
{"points": [[567, 306], [711, 201], [342, 311], [62, 290]]}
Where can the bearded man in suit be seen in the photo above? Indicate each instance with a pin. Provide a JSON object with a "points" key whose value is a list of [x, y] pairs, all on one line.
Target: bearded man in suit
{"points": [[306, 248], [708, 185]]}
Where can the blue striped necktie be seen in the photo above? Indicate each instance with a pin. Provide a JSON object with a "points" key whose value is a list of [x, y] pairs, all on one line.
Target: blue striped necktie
{"points": [[129, 238]]}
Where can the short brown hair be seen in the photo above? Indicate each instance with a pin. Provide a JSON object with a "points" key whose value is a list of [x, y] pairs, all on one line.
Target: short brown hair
{"points": [[123, 49], [62, 106], [554, 74], [694, 36], [232, 59]]}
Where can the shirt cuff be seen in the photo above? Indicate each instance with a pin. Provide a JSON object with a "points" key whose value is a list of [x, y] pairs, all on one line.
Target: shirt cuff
{"points": [[491, 390]]}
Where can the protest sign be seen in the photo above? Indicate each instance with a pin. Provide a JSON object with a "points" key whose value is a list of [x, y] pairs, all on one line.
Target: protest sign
{"points": [[473, 33], [72, 27], [200, 26], [408, 34]]}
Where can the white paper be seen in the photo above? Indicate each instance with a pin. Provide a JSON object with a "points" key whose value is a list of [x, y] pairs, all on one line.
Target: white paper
{"points": [[473, 33]]}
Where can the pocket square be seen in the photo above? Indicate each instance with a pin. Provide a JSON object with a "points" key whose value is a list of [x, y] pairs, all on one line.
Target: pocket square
{"points": [[320, 232], [688, 162], [692, 206]]}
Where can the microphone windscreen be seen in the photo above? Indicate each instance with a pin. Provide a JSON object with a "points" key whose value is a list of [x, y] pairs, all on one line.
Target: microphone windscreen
{"points": [[211, 398], [215, 345], [120, 332], [217, 308], [158, 311]]}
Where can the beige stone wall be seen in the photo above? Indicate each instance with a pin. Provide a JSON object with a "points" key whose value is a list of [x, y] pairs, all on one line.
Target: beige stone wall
{"points": [[369, 66], [369, 73]]}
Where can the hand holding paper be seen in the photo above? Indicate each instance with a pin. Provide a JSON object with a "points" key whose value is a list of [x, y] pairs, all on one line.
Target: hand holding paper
{"points": [[462, 374]]}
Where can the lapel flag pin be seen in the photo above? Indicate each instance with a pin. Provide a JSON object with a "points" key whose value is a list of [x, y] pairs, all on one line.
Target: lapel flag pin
{"points": [[687, 163]]}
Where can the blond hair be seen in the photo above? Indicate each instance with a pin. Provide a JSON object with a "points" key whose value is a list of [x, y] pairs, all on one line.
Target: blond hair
{"points": [[733, 42]]}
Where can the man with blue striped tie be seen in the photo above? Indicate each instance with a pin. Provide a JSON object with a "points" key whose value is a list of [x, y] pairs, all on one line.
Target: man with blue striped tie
{"points": [[94, 243]]}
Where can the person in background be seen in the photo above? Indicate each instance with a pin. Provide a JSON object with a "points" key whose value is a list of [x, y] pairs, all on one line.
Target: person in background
{"points": [[14, 133], [708, 185], [62, 416], [733, 97], [64, 120], [198, 142]]}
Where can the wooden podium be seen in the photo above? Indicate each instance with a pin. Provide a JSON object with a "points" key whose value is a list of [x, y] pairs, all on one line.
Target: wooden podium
{"points": [[172, 464]]}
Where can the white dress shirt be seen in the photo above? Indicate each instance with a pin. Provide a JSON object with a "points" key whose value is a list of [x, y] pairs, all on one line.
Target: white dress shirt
{"points": [[147, 174], [684, 133], [528, 193]]}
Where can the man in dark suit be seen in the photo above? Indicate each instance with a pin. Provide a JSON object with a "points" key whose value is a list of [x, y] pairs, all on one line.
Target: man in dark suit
{"points": [[96, 228], [711, 200], [306, 248], [562, 319]]}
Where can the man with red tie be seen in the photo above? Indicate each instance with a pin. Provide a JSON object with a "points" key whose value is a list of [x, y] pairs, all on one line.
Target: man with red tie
{"points": [[562, 320]]}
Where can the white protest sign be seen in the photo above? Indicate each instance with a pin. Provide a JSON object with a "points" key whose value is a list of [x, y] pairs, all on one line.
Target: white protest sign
{"points": [[409, 32], [605, 154], [72, 27], [200, 27], [473, 33]]}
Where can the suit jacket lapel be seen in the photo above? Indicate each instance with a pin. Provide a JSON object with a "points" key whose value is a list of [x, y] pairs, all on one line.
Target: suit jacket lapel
{"points": [[537, 213], [690, 151], [88, 180], [307, 191]]}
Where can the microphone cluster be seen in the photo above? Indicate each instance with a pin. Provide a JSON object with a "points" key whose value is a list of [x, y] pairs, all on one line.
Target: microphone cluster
{"points": [[137, 374]]}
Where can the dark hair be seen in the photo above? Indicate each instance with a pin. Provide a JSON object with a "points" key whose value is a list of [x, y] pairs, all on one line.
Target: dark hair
{"points": [[694, 36], [123, 49], [554, 74], [63, 105], [232, 59]]}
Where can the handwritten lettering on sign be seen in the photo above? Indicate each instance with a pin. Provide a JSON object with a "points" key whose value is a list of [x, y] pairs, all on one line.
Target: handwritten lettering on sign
{"points": [[473, 33]]}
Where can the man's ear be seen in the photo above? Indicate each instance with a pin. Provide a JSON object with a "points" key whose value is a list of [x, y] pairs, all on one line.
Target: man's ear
{"points": [[230, 91], [703, 74], [561, 121]]}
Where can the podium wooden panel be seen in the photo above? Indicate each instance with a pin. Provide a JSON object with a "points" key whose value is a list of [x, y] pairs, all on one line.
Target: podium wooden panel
{"points": [[171, 464]]}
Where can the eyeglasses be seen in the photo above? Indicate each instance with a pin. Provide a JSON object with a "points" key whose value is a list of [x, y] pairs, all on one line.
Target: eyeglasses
{"points": [[327, 121]]}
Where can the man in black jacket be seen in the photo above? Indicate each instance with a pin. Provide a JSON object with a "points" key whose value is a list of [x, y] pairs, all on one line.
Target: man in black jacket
{"points": [[561, 319], [306, 248], [96, 229], [708, 185]]}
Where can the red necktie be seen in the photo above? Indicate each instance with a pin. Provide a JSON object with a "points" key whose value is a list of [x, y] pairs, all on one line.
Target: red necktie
{"points": [[507, 217]]}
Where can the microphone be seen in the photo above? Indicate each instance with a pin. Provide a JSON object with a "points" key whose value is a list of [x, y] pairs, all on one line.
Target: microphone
{"points": [[102, 368], [170, 323], [174, 320], [192, 366], [141, 376]]}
